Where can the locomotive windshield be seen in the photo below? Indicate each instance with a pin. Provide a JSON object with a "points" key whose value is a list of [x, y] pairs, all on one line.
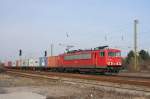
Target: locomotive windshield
{"points": [[114, 54]]}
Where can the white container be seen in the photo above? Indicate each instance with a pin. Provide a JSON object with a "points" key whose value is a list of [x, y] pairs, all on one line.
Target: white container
{"points": [[20, 63], [34, 62], [43, 61], [31, 62], [25, 63], [6, 64], [14, 64]]}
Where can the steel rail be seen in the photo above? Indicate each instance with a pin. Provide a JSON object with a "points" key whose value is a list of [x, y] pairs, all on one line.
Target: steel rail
{"points": [[113, 79]]}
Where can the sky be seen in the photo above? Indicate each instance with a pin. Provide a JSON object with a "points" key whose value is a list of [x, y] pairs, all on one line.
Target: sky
{"points": [[33, 25]]}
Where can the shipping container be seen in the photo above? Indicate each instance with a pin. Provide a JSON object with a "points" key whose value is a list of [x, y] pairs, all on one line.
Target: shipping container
{"points": [[9, 63], [34, 62], [17, 63], [43, 61], [25, 62], [6, 64], [14, 64], [20, 63], [53, 61]]}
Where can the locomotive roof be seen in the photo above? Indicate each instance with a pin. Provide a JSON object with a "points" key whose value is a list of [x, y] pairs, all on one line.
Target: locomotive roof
{"points": [[90, 50]]}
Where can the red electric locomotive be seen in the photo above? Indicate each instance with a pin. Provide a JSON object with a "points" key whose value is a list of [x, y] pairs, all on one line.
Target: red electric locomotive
{"points": [[100, 59]]}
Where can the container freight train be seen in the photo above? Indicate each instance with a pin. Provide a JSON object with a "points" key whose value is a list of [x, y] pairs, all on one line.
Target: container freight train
{"points": [[100, 59]]}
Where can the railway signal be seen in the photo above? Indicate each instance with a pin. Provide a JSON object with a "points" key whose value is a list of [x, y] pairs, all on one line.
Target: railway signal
{"points": [[45, 53], [20, 52], [67, 34]]}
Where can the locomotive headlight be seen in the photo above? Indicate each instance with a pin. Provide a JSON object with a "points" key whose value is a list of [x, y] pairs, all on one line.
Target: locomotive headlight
{"points": [[111, 63], [119, 63]]}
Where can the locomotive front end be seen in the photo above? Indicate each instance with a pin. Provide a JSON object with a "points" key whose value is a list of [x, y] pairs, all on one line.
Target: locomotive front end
{"points": [[114, 60]]}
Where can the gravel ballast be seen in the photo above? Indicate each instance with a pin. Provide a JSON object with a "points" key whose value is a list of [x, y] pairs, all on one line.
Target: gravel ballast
{"points": [[28, 88]]}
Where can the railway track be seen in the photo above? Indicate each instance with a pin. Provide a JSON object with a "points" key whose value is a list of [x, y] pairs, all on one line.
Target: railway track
{"points": [[114, 79], [117, 82]]}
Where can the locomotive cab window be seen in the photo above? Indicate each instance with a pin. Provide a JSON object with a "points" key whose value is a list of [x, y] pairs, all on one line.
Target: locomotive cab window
{"points": [[111, 54], [114, 54], [102, 54], [118, 53]]}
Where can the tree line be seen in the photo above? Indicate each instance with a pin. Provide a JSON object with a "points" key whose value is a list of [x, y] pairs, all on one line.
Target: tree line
{"points": [[143, 58]]}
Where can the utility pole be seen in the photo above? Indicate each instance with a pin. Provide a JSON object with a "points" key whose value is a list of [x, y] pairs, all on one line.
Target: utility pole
{"points": [[135, 45], [52, 49]]}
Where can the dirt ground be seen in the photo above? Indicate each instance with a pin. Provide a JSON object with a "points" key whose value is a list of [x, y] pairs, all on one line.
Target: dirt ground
{"points": [[51, 89]]}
